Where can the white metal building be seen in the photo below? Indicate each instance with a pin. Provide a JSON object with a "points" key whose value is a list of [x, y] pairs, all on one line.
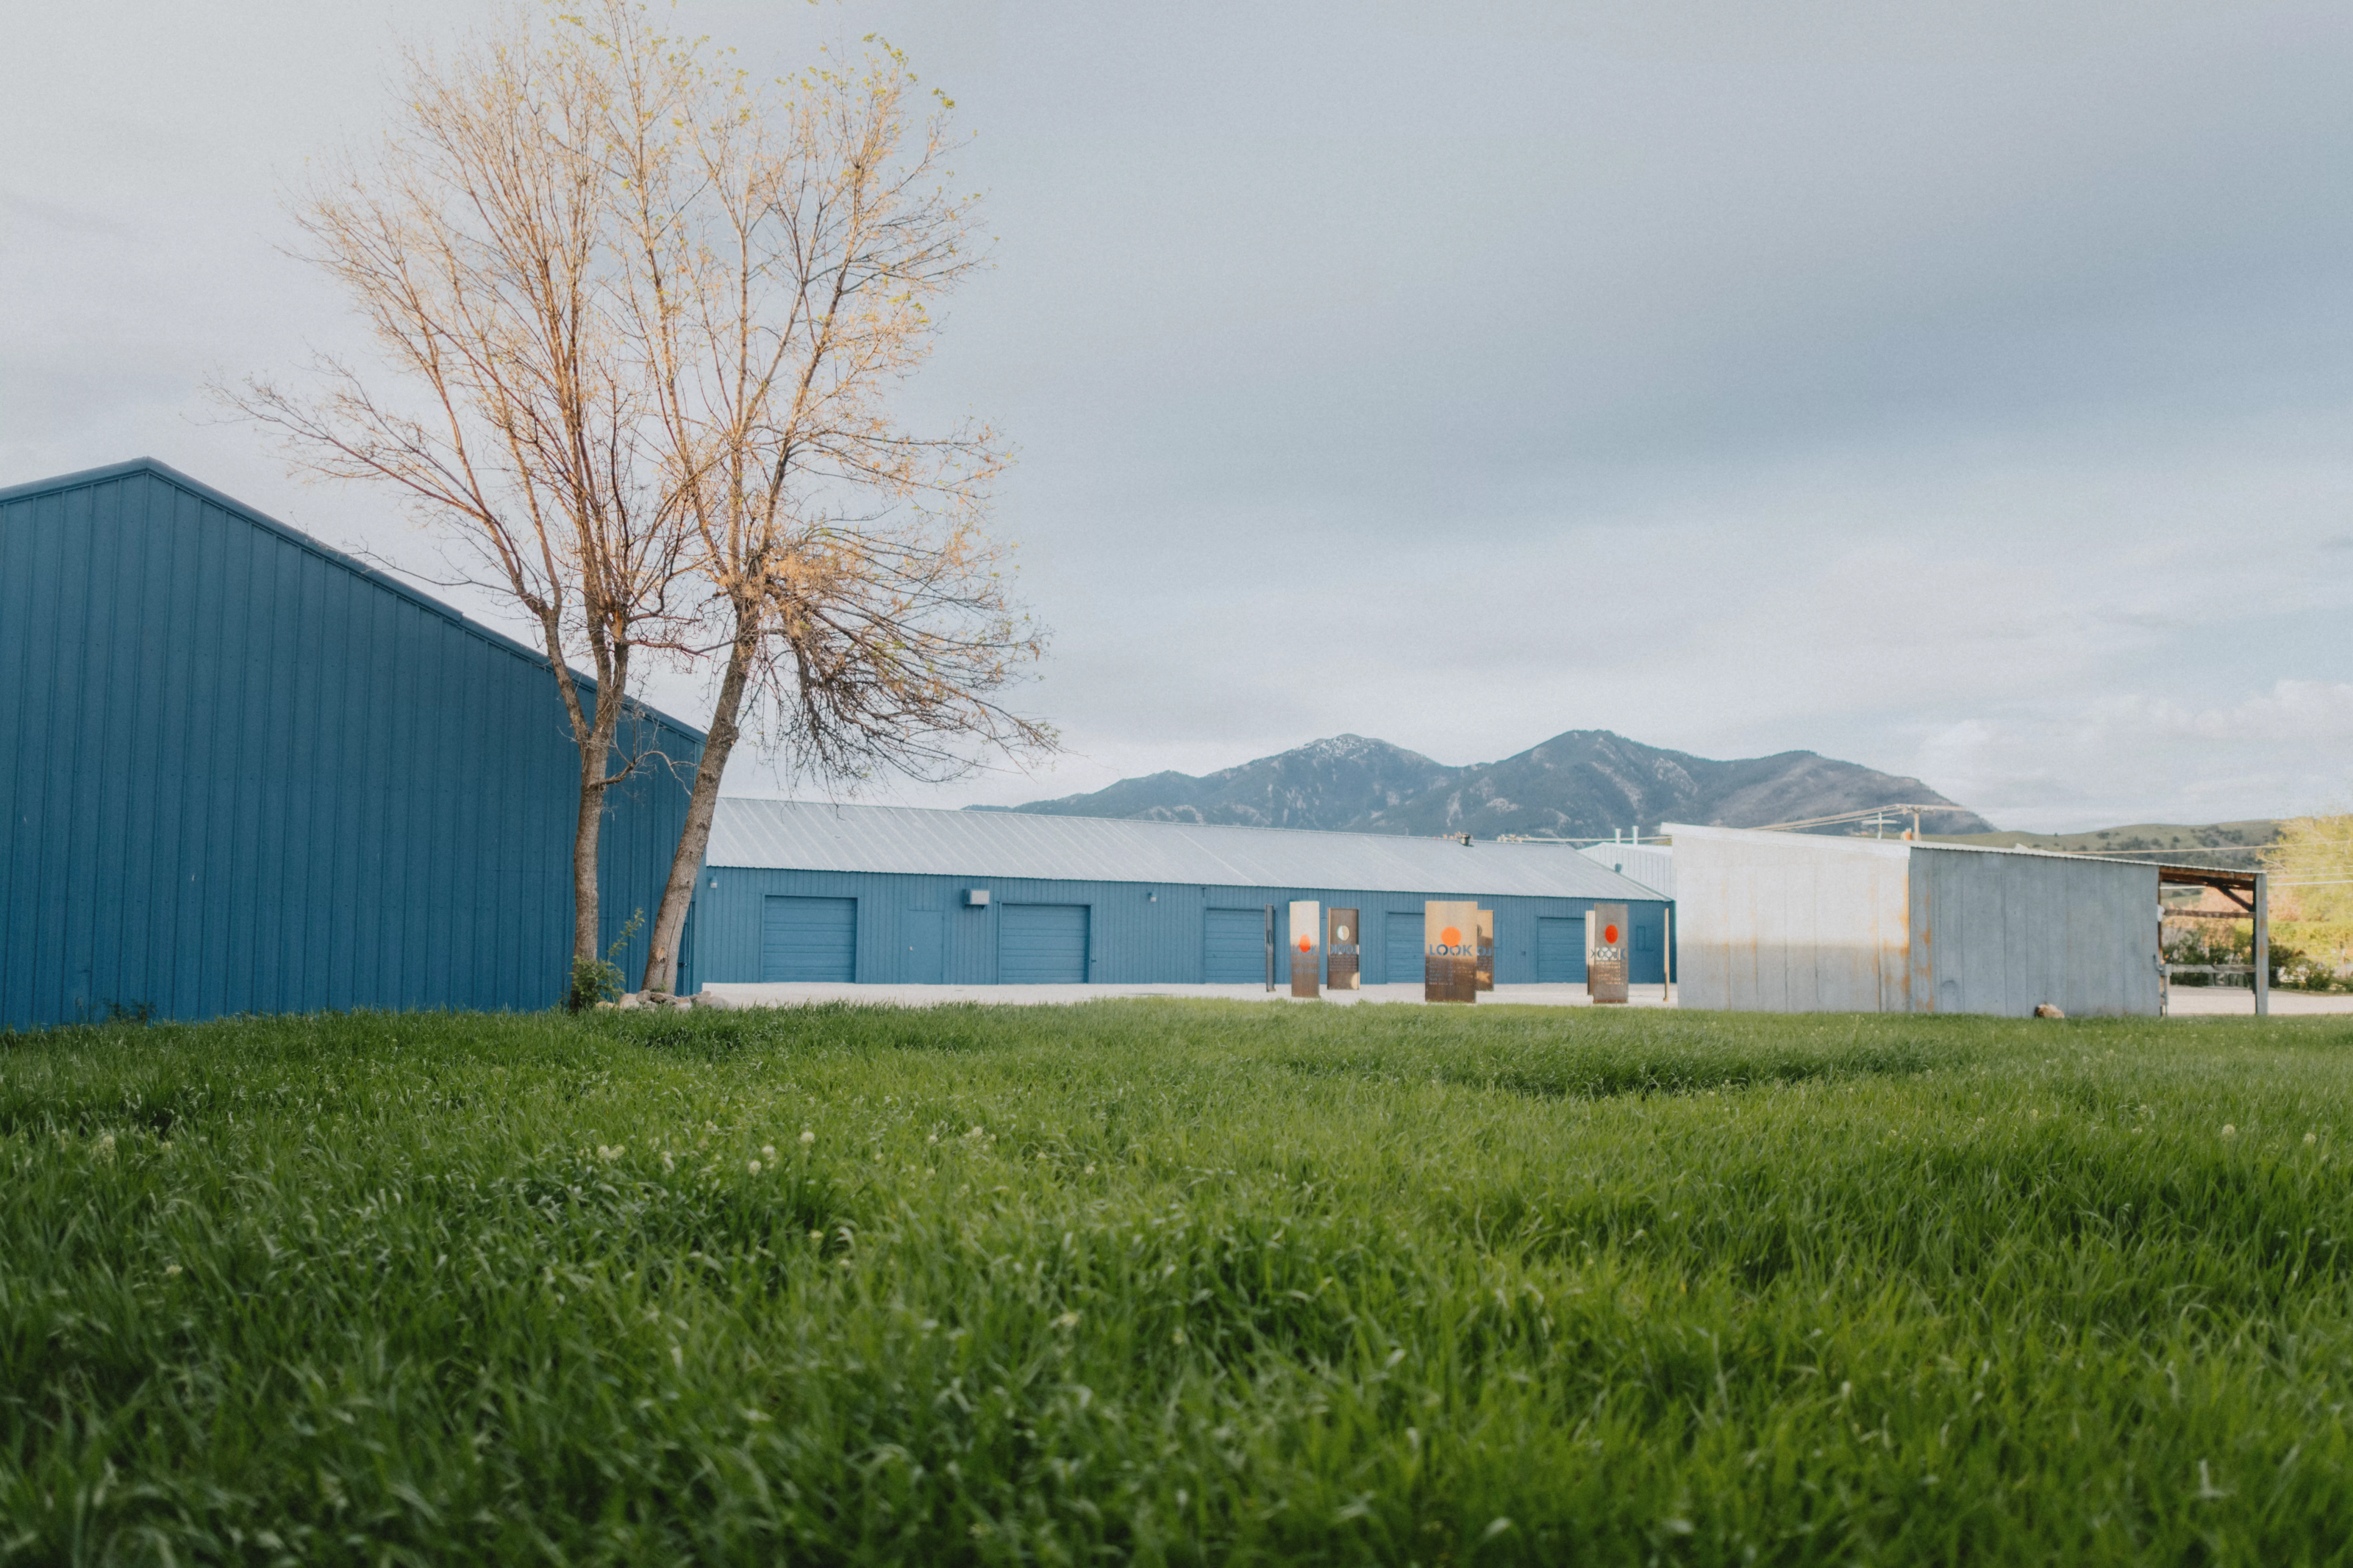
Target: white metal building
{"points": [[1653, 864], [1794, 923]]}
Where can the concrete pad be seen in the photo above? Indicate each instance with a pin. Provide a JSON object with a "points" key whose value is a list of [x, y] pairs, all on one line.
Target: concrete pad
{"points": [[2230, 1002], [803, 995], [2188, 1002]]}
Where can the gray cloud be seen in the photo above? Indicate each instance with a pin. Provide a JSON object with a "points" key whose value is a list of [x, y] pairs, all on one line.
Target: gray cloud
{"points": [[1962, 391]]}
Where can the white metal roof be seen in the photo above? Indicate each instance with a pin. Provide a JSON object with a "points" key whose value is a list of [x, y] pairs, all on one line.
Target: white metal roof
{"points": [[1653, 864], [817, 835], [1830, 843]]}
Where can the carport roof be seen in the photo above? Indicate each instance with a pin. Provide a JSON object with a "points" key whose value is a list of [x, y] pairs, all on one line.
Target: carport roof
{"points": [[817, 835]]}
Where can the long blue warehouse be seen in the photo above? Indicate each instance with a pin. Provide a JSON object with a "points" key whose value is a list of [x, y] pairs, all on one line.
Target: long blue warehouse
{"points": [[241, 771], [892, 895]]}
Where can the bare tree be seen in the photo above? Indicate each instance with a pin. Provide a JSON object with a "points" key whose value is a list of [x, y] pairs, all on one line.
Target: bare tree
{"points": [[488, 243], [791, 239]]}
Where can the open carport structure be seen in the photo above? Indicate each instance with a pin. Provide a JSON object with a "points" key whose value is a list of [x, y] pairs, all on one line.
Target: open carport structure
{"points": [[2251, 892]]}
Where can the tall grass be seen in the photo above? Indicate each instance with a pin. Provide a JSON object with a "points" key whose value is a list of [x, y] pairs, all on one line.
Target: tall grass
{"points": [[1177, 1282]]}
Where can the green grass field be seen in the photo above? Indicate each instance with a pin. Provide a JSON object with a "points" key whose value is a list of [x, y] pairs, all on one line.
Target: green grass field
{"points": [[1174, 1281]]}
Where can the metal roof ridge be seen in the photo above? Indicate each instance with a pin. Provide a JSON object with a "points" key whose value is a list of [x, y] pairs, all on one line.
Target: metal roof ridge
{"points": [[1846, 842], [964, 814], [765, 831], [2030, 849], [253, 515]]}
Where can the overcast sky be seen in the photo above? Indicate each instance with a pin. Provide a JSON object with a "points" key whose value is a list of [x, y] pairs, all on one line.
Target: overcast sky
{"points": [[1965, 390]]}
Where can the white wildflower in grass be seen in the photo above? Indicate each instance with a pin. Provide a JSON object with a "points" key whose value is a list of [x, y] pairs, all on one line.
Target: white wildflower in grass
{"points": [[104, 1147], [1066, 1320], [170, 1270], [932, 1139], [808, 1137], [768, 1153], [752, 1166], [817, 1235], [1090, 1170], [975, 1133], [2229, 1131]]}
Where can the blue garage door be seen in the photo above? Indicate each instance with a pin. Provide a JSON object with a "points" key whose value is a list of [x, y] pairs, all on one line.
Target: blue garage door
{"points": [[809, 939], [1560, 950], [1233, 947], [1401, 947], [1041, 944]]}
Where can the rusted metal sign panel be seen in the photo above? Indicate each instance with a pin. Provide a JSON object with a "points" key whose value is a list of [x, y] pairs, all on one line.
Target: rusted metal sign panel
{"points": [[1486, 968], [1605, 964], [1449, 938], [1344, 949], [1306, 947]]}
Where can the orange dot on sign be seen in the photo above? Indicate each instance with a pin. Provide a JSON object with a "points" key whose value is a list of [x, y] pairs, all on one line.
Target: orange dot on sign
{"points": [[1306, 944], [1450, 937], [1610, 934]]}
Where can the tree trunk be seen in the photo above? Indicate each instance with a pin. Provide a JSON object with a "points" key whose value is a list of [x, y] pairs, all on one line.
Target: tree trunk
{"points": [[702, 805], [585, 834]]}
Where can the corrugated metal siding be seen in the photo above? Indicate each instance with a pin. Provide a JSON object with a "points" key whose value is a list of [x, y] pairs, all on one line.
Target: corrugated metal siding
{"points": [[1139, 933], [820, 836], [2000, 933], [1783, 922], [241, 772], [1795, 923], [1653, 864]]}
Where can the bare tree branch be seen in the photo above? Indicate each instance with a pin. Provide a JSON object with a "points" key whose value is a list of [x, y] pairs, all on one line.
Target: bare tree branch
{"points": [[794, 237], [483, 241]]}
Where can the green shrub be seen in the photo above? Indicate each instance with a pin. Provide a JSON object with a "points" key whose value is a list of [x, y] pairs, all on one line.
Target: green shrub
{"points": [[600, 980]]}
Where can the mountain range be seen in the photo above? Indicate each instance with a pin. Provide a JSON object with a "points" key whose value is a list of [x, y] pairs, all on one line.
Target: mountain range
{"points": [[1586, 783]]}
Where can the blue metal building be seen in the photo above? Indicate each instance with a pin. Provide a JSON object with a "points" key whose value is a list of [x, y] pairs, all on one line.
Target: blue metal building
{"points": [[241, 771], [795, 890]]}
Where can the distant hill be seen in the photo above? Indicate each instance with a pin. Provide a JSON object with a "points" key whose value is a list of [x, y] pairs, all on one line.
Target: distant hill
{"points": [[1584, 784], [2228, 846]]}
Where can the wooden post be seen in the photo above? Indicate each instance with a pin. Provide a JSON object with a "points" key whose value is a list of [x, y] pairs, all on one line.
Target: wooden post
{"points": [[1667, 954]]}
